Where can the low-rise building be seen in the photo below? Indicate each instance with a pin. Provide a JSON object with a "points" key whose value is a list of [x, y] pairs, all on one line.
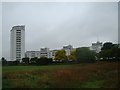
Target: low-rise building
{"points": [[68, 49], [52, 54], [45, 52], [96, 46], [32, 54]]}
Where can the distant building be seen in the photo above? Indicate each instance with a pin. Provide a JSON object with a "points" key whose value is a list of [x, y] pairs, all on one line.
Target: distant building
{"points": [[96, 46], [45, 52], [32, 54], [52, 54], [68, 49], [17, 43]]}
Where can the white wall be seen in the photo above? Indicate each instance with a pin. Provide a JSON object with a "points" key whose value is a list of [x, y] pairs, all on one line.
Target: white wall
{"points": [[13, 45]]}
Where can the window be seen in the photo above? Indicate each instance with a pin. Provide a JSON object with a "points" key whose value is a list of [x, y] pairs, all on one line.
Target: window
{"points": [[18, 45], [18, 41], [18, 50], [18, 30], [18, 37]]}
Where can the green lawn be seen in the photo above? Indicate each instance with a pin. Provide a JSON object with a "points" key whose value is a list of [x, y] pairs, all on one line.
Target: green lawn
{"points": [[61, 76]]}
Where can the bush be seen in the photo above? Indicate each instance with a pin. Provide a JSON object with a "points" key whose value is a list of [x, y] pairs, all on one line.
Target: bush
{"points": [[44, 61], [84, 55]]}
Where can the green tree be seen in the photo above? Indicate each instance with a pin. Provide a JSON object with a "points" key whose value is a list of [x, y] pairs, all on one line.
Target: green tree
{"points": [[84, 55], [25, 60], [107, 45], [115, 51], [44, 61], [72, 55], [60, 55], [33, 60], [4, 61], [110, 52]]}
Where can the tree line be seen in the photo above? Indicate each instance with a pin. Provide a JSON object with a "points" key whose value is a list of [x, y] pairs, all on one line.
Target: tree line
{"points": [[109, 52], [28, 61]]}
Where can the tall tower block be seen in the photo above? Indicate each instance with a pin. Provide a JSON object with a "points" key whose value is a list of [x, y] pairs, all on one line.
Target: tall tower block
{"points": [[17, 42]]}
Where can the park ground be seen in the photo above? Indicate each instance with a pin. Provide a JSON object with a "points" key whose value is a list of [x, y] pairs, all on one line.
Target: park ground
{"points": [[94, 75]]}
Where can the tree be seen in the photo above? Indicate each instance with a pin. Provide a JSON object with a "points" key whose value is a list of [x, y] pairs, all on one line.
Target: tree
{"points": [[25, 60], [44, 61], [72, 55], [4, 61], [115, 51], [33, 60], [84, 55], [107, 45], [60, 55], [110, 52]]}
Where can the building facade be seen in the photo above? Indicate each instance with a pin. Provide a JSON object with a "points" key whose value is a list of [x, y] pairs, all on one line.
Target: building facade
{"points": [[45, 52], [96, 46], [68, 49], [17, 39], [52, 54], [32, 54]]}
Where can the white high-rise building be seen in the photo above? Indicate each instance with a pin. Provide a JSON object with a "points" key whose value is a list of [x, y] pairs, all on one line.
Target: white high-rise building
{"points": [[17, 49]]}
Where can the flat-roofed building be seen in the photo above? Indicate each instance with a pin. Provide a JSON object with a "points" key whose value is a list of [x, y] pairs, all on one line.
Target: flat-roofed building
{"points": [[52, 54], [17, 43], [96, 46], [45, 52], [32, 54], [68, 49]]}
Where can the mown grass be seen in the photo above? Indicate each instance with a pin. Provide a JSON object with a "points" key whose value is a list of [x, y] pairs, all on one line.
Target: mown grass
{"points": [[97, 75]]}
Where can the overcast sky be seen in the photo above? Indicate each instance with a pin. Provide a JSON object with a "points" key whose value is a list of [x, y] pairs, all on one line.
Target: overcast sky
{"points": [[53, 24]]}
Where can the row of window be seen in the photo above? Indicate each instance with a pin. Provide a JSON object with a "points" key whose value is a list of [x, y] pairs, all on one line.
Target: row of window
{"points": [[43, 53], [18, 54], [18, 58], [18, 32], [18, 40], [18, 45], [18, 35], [18, 48]]}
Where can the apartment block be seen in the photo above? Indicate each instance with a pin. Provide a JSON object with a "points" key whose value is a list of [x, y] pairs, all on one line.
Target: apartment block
{"points": [[17, 43]]}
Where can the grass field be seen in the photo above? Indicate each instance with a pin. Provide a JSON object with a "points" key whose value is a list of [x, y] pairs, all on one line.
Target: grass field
{"points": [[97, 75]]}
